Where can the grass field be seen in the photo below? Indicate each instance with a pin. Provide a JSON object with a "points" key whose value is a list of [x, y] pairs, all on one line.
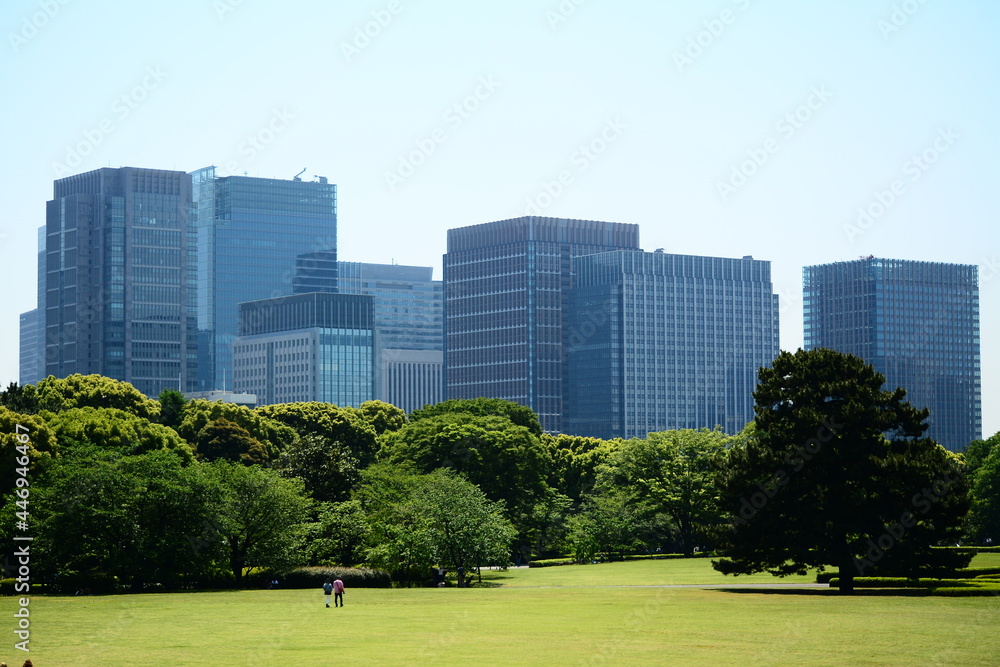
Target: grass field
{"points": [[612, 614]]}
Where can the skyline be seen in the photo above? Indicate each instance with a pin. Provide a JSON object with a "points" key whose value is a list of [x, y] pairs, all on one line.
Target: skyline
{"points": [[717, 129]]}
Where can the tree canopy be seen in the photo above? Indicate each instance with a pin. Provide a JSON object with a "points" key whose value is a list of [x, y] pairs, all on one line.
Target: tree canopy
{"points": [[94, 391], [505, 460], [837, 473], [342, 425], [483, 407]]}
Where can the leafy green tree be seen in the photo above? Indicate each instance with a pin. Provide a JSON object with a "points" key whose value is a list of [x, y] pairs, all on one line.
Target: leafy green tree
{"points": [[978, 451], [674, 474], [342, 425], [20, 399], [106, 516], [505, 460], [398, 539], [328, 469], [198, 413], [259, 516], [610, 522], [112, 428], [171, 407], [382, 416], [838, 473], [575, 461], [223, 439], [546, 527], [417, 521], [483, 407], [94, 391], [467, 530], [23, 435], [984, 517], [337, 537]]}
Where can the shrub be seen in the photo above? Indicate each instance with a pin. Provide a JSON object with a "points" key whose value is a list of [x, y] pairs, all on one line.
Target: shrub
{"points": [[313, 577], [972, 591], [551, 562]]}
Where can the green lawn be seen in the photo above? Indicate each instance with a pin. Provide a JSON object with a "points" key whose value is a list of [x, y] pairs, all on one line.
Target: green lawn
{"points": [[550, 616]]}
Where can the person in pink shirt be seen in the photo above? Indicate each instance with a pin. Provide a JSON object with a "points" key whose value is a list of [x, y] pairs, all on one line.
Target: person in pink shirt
{"points": [[338, 593]]}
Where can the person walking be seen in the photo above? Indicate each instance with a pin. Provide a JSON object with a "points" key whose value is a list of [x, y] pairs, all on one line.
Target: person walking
{"points": [[328, 591], [338, 593]]}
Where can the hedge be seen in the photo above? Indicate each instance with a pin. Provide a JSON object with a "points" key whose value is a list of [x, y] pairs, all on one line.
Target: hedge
{"points": [[551, 562], [313, 577]]}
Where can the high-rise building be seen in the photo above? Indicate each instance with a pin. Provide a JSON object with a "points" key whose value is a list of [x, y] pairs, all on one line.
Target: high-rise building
{"points": [[258, 238], [917, 323], [409, 326], [317, 346], [119, 278], [656, 341], [32, 329], [505, 290], [32, 364]]}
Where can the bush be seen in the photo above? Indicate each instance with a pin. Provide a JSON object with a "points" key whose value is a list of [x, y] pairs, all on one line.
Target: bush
{"points": [[972, 591], [904, 582], [313, 577], [551, 562]]}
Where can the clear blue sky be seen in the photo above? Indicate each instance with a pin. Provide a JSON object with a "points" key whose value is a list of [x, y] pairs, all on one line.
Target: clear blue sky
{"points": [[449, 114]]}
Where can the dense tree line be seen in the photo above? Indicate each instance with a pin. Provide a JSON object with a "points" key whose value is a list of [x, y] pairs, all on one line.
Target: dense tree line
{"points": [[128, 492]]}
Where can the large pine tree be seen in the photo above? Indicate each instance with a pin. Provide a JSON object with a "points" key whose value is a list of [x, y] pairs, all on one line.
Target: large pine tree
{"points": [[838, 474]]}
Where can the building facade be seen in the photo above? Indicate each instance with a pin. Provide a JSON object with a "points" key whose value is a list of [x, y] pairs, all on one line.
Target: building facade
{"points": [[916, 322], [318, 346], [120, 278], [32, 327], [31, 353], [258, 238], [409, 325], [505, 291], [657, 341]]}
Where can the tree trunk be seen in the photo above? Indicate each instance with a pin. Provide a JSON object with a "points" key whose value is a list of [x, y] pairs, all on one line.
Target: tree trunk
{"points": [[847, 573]]}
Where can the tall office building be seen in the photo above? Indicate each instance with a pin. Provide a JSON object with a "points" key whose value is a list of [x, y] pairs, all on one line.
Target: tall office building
{"points": [[409, 326], [917, 323], [657, 341], [258, 238], [505, 290], [316, 346], [31, 362], [119, 278], [32, 327]]}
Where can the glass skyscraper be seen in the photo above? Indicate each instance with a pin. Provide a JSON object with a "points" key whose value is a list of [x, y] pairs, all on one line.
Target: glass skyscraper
{"points": [[119, 278], [916, 322], [409, 326], [258, 238], [317, 346], [656, 341], [505, 290]]}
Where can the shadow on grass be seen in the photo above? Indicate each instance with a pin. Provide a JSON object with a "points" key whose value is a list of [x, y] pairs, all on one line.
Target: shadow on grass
{"points": [[833, 592]]}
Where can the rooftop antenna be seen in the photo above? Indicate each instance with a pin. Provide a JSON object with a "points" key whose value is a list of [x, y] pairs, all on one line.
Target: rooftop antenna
{"points": [[298, 175]]}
